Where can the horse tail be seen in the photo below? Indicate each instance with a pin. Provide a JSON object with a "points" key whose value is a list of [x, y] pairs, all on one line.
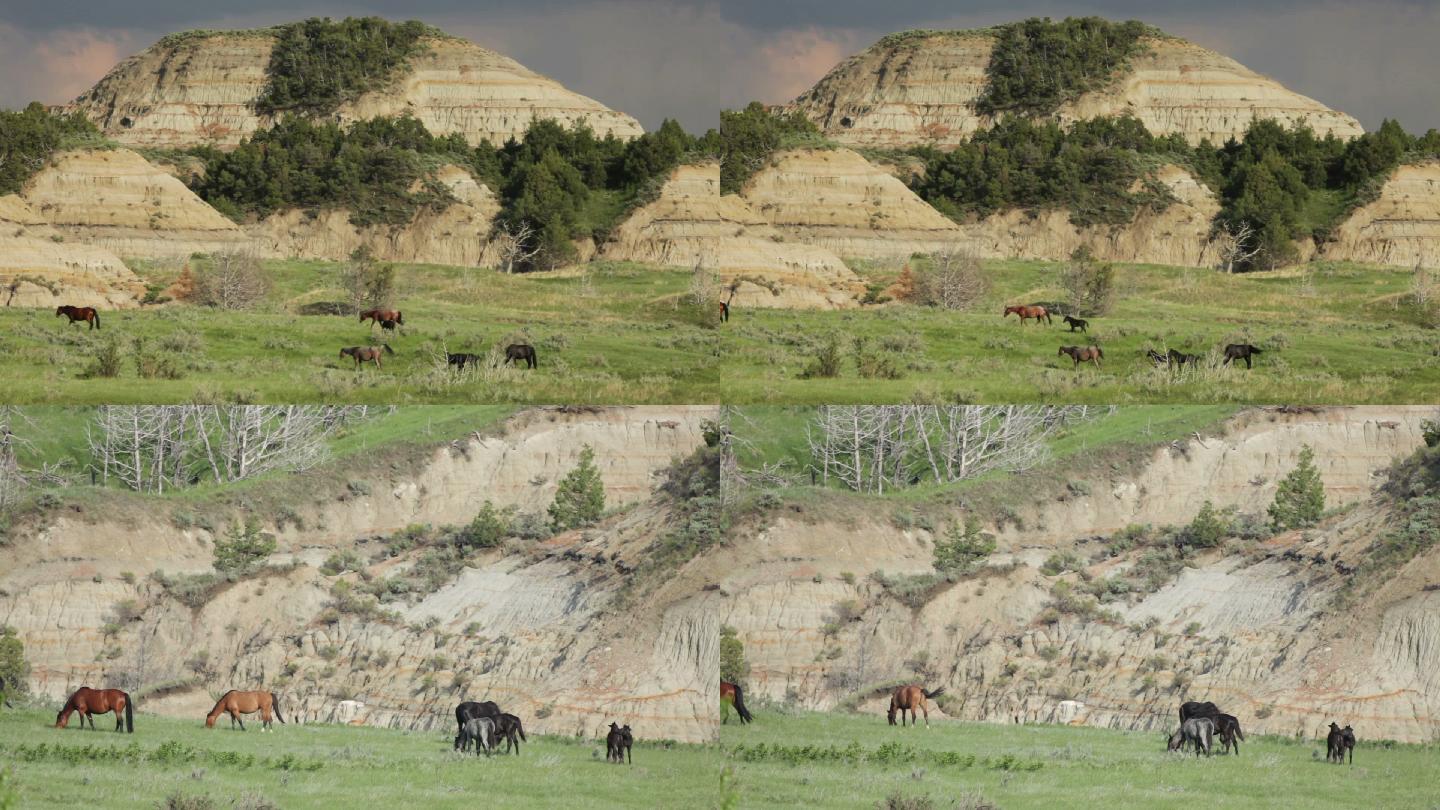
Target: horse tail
{"points": [[399, 317], [1255, 350], [931, 695], [275, 704], [744, 713], [520, 728], [97, 318], [388, 350], [129, 715]]}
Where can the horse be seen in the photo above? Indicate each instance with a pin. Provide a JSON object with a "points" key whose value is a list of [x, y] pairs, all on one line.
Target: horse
{"points": [[366, 354], [1192, 708], [469, 710], [1227, 727], [1240, 351], [89, 702], [1197, 730], [481, 730], [1077, 323], [1082, 354], [1335, 744], [521, 351], [508, 727], [1347, 742], [1178, 358], [86, 314], [236, 703], [736, 696], [617, 744], [387, 326], [1027, 312], [380, 316], [908, 698], [459, 360]]}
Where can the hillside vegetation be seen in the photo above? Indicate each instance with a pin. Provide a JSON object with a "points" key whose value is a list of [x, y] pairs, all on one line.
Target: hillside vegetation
{"points": [[318, 64], [1038, 65], [30, 136]]}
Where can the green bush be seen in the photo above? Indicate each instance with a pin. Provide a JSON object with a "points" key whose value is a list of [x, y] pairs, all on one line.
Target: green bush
{"points": [[580, 498], [488, 529], [318, 64], [1208, 528], [1038, 65], [14, 669], [963, 547], [243, 549], [1300, 497], [733, 667]]}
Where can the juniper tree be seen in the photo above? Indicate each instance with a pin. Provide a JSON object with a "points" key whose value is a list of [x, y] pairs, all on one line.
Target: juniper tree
{"points": [[580, 500], [1300, 498]]}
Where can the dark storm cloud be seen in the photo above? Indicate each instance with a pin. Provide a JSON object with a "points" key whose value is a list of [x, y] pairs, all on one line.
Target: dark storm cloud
{"points": [[690, 58]]}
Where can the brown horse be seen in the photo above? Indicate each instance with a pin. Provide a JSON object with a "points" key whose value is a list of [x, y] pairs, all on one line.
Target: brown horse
{"points": [[1081, 354], [366, 354], [908, 699], [89, 702], [237, 703], [86, 314], [380, 316], [732, 693], [1027, 312]]}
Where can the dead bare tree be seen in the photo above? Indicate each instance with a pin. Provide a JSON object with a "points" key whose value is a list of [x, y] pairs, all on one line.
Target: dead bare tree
{"points": [[1235, 245], [513, 240], [232, 280], [954, 280]]}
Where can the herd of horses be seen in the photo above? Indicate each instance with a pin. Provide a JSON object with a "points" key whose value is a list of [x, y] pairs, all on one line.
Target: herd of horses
{"points": [[1094, 354]]}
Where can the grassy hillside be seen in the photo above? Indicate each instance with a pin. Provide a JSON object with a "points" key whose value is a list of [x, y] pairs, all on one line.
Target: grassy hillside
{"points": [[325, 766], [1332, 333], [619, 334], [981, 765]]}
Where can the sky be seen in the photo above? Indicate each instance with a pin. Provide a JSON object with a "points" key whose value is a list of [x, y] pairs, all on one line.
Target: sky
{"points": [[688, 59]]}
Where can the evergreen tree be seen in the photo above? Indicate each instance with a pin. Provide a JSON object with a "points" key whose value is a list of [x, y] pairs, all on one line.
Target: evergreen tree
{"points": [[13, 667], [1300, 498], [580, 500], [243, 549], [1207, 529], [733, 667], [962, 547]]}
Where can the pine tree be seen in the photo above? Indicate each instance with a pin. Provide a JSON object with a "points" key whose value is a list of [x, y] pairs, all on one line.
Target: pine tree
{"points": [[580, 500], [1300, 499], [733, 668]]}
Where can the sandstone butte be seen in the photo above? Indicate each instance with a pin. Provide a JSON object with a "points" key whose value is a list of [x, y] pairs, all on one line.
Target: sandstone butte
{"points": [[1268, 642], [200, 88], [551, 645], [1400, 227], [919, 88]]}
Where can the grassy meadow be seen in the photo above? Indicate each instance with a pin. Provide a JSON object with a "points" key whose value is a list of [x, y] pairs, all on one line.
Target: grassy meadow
{"points": [[787, 759], [1330, 333], [618, 333], [326, 766]]}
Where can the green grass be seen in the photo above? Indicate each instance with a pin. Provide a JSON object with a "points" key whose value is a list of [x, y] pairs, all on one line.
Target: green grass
{"points": [[1338, 334], [1077, 767], [339, 766], [619, 336]]}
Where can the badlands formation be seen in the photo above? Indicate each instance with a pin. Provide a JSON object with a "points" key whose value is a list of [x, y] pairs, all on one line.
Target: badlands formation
{"points": [[200, 88], [1256, 631], [540, 628]]}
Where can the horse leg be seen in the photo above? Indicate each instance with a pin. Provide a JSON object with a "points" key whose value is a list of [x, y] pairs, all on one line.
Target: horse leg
{"points": [[119, 721], [926, 709]]}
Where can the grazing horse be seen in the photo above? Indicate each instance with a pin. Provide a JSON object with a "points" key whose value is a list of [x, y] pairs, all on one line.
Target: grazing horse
{"points": [[1240, 351], [1081, 354], [366, 354], [236, 703], [1227, 727], [1077, 323], [480, 730], [508, 726], [1025, 313], [380, 316], [459, 360], [521, 351], [1197, 730], [470, 710], [1191, 708], [90, 702], [1178, 358], [909, 698], [86, 314], [387, 326], [732, 693], [617, 744]]}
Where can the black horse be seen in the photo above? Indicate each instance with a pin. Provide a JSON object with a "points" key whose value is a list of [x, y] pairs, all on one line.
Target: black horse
{"points": [[1157, 358], [1178, 358], [508, 728], [617, 744], [1227, 728], [460, 359], [1347, 742], [470, 710], [1077, 323], [521, 351], [388, 325], [1338, 742], [1240, 351], [1192, 708]]}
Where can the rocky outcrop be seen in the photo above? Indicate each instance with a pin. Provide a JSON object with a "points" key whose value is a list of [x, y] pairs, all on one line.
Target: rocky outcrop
{"points": [[1400, 227], [40, 268], [201, 88], [457, 234], [915, 89], [114, 199], [1255, 631], [534, 626], [690, 223]]}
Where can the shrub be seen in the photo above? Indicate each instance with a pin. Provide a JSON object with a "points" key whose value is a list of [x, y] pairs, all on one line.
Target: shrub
{"points": [[1300, 497], [962, 547], [243, 549], [1089, 285], [340, 562], [1060, 562], [1207, 529], [371, 284], [14, 669], [827, 360], [951, 280], [108, 358], [580, 498], [488, 529], [733, 667], [233, 281]]}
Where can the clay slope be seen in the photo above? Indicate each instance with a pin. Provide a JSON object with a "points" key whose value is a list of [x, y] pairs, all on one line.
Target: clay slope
{"points": [[1267, 643], [920, 89], [690, 223], [115, 199], [46, 270], [1400, 227], [533, 626], [193, 89]]}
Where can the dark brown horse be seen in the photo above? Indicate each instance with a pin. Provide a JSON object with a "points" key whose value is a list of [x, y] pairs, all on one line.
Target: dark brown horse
{"points": [[1077, 323], [366, 354], [521, 351], [1240, 351], [86, 314], [236, 703], [732, 693], [380, 316], [1027, 312], [908, 699], [1081, 354], [90, 702]]}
